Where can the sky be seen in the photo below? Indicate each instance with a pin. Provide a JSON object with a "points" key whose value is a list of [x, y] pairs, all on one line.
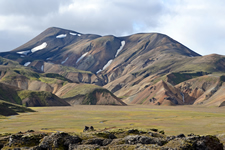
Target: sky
{"points": [[198, 24]]}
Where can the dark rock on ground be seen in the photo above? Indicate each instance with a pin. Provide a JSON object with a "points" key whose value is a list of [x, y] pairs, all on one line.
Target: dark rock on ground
{"points": [[196, 142], [112, 136], [109, 139], [143, 140], [86, 128], [57, 140], [181, 136], [100, 142], [92, 128]]}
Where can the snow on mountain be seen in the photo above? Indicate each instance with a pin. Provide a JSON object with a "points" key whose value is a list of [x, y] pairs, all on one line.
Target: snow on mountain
{"points": [[78, 34], [40, 47], [71, 33], [23, 52], [42, 68], [107, 64], [81, 57], [98, 71], [26, 64], [64, 60], [61, 36], [121, 47]]}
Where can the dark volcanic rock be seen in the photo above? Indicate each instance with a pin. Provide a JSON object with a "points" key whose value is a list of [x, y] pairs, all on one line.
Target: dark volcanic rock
{"points": [[143, 140], [96, 140], [100, 142], [180, 136], [57, 140], [196, 142], [86, 128]]}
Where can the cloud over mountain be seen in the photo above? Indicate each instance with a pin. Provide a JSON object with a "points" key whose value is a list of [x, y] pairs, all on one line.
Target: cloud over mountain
{"points": [[197, 24]]}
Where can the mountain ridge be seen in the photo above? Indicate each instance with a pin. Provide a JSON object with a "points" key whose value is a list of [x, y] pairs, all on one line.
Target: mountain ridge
{"points": [[127, 65]]}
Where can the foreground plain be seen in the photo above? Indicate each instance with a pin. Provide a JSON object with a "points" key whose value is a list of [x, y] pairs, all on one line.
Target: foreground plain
{"points": [[173, 119]]}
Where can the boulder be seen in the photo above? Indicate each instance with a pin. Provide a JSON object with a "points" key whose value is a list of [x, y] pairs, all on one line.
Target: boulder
{"points": [[108, 140], [143, 140], [57, 140]]}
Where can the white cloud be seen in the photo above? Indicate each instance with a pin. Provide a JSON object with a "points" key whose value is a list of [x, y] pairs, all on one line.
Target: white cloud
{"points": [[198, 24]]}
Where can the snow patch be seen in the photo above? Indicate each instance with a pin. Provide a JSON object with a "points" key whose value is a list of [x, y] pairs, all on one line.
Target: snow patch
{"points": [[61, 36], [26, 64], [48, 58], [21, 56], [182, 97], [191, 56], [98, 71], [64, 60], [42, 68], [121, 47], [24, 52], [71, 33], [40, 47], [108, 63], [81, 57], [78, 34]]}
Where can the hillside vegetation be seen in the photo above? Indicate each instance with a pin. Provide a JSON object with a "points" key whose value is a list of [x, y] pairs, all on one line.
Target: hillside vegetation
{"points": [[7, 109]]}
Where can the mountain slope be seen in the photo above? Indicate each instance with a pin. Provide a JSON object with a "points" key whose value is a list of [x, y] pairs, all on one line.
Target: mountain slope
{"points": [[127, 66], [32, 88], [87, 94], [7, 108], [94, 53]]}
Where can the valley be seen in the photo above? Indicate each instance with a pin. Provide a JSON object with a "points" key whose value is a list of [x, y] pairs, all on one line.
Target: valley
{"points": [[173, 120]]}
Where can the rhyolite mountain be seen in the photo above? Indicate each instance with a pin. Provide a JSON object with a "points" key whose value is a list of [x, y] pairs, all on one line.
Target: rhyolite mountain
{"points": [[26, 86], [143, 68]]}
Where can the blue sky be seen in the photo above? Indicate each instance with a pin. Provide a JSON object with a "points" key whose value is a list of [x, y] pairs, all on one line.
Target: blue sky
{"points": [[198, 24]]}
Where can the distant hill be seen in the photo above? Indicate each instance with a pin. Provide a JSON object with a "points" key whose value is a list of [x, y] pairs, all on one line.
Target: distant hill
{"points": [[26, 86], [127, 66], [7, 109]]}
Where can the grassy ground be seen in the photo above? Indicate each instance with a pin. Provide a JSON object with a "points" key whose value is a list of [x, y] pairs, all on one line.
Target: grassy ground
{"points": [[173, 120]]}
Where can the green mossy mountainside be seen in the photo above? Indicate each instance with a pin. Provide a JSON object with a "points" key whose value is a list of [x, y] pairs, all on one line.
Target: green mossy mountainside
{"points": [[40, 98], [108, 139], [7, 109], [32, 88], [13, 78], [87, 94], [176, 78], [9, 93]]}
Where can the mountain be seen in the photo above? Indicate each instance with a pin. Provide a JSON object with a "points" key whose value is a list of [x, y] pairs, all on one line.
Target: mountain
{"points": [[29, 87], [87, 94], [143, 68], [7, 109]]}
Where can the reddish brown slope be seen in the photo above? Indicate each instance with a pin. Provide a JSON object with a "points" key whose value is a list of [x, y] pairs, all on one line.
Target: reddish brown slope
{"points": [[162, 93]]}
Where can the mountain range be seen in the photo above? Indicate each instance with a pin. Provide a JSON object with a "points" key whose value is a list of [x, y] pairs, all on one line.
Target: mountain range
{"points": [[65, 67]]}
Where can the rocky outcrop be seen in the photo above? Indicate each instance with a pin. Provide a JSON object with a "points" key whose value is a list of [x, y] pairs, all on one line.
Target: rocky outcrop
{"points": [[101, 140]]}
